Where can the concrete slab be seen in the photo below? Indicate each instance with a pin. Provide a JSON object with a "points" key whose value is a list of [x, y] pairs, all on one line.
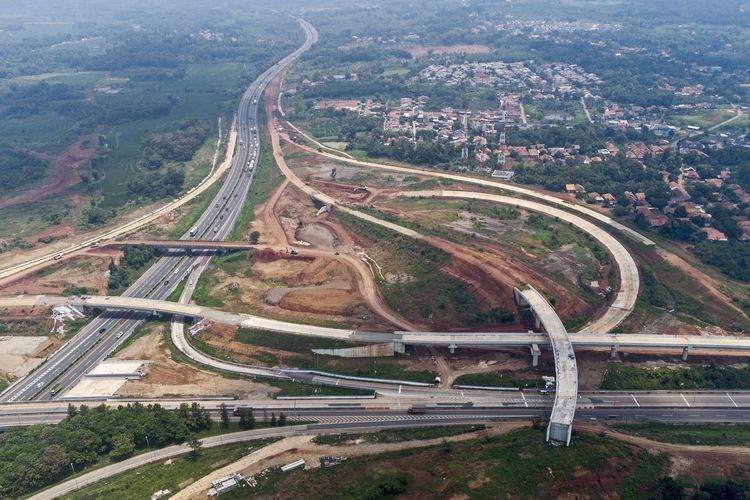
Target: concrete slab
{"points": [[17, 354], [95, 388], [115, 367]]}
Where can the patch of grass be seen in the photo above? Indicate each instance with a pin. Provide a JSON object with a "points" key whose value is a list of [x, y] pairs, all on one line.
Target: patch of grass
{"points": [[143, 481], [198, 205], [289, 388], [286, 341], [703, 434], [142, 329], [203, 295], [177, 292], [428, 294], [624, 377], [383, 368], [397, 436], [498, 380]]}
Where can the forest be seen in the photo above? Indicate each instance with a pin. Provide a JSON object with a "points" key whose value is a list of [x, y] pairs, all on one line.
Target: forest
{"points": [[39, 455], [17, 167]]}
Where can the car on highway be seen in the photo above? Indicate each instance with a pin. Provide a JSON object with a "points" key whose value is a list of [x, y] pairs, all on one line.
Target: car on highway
{"points": [[119, 334], [102, 330]]}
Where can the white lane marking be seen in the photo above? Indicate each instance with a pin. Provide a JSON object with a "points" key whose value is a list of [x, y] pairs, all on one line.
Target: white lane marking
{"points": [[685, 400], [524, 399], [732, 400], [635, 401]]}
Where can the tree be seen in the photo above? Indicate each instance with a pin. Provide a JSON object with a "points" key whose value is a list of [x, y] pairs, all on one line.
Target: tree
{"points": [[195, 446], [273, 420], [333, 173], [72, 411], [224, 415], [254, 236], [122, 446], [282, 420]]}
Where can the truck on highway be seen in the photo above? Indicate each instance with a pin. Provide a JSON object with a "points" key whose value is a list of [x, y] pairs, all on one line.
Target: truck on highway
{"points": [[417, 410], [242, 410], [194, 231], [56, 389]]}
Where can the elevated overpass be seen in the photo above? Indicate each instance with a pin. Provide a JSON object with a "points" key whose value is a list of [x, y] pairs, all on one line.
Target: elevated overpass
{"points": [[184, 244], [566, 371], [621, 341]]}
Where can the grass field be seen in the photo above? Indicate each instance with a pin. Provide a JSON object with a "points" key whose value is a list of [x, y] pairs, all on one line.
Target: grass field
{"points": [[397, 436], [700, 118], [705, 435], [625, 377], [517, 465], [498, 380]]}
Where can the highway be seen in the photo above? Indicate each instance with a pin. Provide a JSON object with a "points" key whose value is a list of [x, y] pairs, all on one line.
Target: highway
{"points": [[95, 341]]}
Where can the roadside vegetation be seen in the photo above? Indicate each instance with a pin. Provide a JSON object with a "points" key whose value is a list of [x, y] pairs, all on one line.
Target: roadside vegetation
{"points": [[39, 455], [499, 380], [396, 436], [698, 434], [626, 377], [135, 260]]}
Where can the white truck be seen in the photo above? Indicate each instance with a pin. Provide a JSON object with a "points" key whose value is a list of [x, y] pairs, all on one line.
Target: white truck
{"points": [[194, 231]]}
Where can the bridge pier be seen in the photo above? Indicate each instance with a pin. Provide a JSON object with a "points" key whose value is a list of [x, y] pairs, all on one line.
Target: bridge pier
{"points": [[685, 351], [452, 348], [613, 350], [535, 352], [399, 347]]}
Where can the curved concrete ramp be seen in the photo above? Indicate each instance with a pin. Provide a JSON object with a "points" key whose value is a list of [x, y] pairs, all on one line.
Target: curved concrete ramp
{"points": [[566, 371]]}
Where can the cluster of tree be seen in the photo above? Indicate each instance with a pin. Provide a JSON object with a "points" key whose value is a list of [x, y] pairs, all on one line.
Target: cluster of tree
{"points": [[710, 489], [345, 125], [613, 175], [17, 167], [95, 216], [122, 108], [156, 185], [134, 259], [179, 145], [731, 257], [33, 457], [26, 100], [421, 152]]}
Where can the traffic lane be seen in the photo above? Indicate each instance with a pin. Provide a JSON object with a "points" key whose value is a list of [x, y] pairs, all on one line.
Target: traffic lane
{"points": [[687, 399]]}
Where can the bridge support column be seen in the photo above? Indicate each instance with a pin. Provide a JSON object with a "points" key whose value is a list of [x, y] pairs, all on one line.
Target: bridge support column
{"points": [[613, 350], [535, 352], [685, 351], [452, 348], [537, 321], [399, 347]]}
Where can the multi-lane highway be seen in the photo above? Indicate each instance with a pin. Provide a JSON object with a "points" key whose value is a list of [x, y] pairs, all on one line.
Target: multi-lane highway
{"points": [[95, 341]]}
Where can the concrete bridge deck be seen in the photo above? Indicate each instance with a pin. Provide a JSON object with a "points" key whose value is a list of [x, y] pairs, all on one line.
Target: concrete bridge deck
{"points": [[444, 339], [566, 371]]}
